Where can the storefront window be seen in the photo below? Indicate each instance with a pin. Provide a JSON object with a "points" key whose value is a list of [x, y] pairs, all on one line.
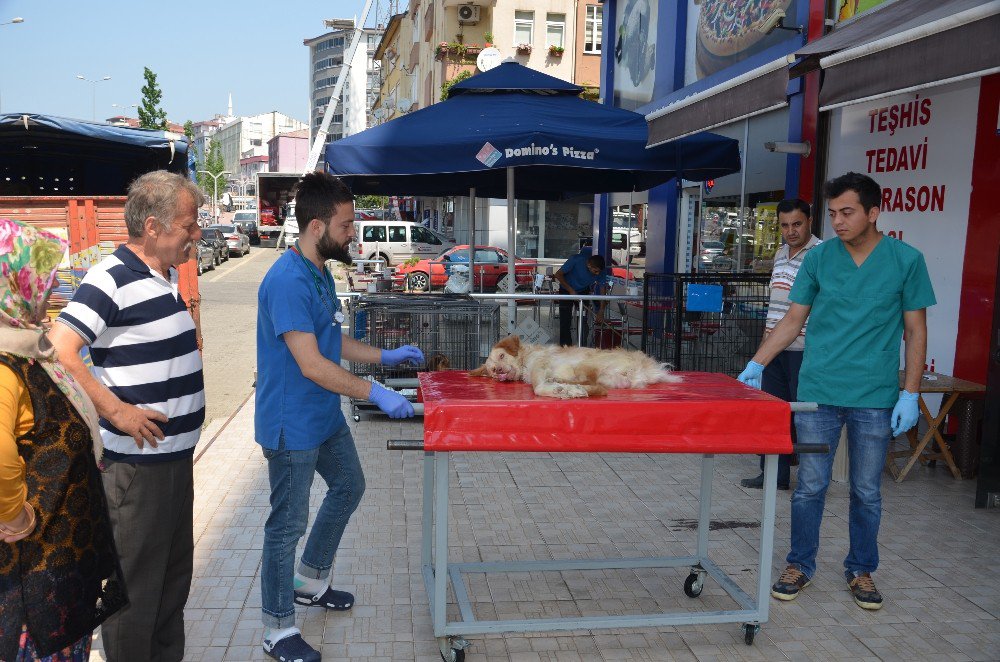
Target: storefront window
{"points": [[529, 215], [738, 224]]}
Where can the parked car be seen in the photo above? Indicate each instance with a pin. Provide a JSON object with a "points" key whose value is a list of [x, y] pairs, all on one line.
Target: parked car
{"points": [[214, 237], [237, 243], [490, 269], [710, 250], [246, 221], [205, 257]]}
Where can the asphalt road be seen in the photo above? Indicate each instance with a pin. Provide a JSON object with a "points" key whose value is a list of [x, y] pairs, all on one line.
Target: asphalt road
{"points": [[229, 326]]}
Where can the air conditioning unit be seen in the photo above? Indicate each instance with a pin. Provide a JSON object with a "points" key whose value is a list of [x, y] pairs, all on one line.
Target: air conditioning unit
{"points": [[468, 14]]}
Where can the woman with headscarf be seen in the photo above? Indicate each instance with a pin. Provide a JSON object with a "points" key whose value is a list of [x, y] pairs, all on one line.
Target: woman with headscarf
{"points": [[59, 574]]}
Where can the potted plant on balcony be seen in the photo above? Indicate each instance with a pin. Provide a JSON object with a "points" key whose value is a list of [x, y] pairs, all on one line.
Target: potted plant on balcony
{"points": [[488, 38], [556, 51], [442, 50], [523, 49]]}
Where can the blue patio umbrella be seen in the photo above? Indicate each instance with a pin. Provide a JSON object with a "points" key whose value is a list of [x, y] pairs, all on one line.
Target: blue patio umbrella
{"points": [[560, 145], [518, 133]]}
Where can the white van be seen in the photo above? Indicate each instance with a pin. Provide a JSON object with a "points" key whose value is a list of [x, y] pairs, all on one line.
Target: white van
{"points": [[396, 242]]}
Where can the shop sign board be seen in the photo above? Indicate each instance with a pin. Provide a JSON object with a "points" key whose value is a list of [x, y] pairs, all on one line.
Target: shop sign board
{"points": [[919, 148]]}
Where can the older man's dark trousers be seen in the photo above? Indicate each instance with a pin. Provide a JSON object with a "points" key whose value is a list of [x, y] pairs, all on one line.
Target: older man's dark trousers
{"points": [[152, 516], [781, 379]]}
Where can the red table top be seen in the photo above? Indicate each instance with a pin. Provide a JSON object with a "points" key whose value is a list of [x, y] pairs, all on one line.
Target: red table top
{"points": [[705, 413]]}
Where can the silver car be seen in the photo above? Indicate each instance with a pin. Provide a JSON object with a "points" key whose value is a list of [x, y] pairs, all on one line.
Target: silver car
{"points": [[237, 242]]}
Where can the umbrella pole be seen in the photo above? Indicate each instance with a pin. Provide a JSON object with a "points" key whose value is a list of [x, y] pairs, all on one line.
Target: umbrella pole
{"points": [[472, 239], [511, 237]]}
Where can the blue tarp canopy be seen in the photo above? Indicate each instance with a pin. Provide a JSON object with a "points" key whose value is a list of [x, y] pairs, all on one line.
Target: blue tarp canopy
{"points": [[560, 145], [46, 155]]}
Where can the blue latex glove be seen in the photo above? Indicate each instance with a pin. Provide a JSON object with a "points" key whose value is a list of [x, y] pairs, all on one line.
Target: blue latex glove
{"points": [[905, 413], [393, 357], [751, 374], [390, 402]]}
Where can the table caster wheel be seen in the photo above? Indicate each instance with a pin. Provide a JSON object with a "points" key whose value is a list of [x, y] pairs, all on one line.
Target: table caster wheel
{"points": [[693, 585], [452, 649], [749, 631], [357, 418]]}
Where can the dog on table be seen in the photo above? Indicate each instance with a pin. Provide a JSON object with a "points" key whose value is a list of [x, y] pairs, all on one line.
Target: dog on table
{"points": [[571, 372]]}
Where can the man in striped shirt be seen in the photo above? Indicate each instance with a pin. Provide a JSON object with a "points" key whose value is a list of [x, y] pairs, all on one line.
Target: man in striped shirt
{"points": [[148, 388], [781, 377]]}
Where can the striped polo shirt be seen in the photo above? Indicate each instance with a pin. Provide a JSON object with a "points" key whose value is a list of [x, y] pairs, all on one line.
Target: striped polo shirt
{"points": [[144, 349], [782, 278]]}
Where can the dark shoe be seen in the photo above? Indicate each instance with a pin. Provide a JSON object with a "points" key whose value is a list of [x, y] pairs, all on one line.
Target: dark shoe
{"points": [[864, 591], [291, 649], [791, 581], [331, 599], [758, 483]]}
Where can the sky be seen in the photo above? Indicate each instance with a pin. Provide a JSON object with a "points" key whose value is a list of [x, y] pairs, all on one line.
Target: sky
{"points": [[200, 53]]}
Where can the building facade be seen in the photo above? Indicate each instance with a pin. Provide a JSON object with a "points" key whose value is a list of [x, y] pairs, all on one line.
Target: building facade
{"points": [[288, 152], [248, 136], [808, 94], [353, 112]]}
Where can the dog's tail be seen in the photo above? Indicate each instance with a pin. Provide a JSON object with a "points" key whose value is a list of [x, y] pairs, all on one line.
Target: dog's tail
{"points": [[661, 374]]}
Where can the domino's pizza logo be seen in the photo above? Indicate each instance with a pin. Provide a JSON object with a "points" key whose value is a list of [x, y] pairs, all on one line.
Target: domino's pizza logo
{"points": [[488, 155]]}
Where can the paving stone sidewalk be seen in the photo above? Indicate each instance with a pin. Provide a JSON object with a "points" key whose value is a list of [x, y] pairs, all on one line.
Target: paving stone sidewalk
{"points": [[940, 568]]}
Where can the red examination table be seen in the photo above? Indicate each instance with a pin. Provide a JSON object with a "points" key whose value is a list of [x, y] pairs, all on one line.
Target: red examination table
{"points": [[705, 414]]}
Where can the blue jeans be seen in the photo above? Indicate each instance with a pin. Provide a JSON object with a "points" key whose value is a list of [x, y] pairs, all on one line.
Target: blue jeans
{"points": [[868, 436], [291, 473]]}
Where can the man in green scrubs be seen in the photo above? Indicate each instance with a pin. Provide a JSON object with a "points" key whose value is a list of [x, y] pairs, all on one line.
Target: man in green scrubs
{"points": [[862, 293]]}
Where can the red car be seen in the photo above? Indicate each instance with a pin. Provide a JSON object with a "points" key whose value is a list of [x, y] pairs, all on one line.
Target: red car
{"points": [[491, 269]]}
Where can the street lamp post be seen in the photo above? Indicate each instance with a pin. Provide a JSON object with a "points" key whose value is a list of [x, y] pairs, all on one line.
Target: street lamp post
{"points": [[215, 189], [13, 21], [93, 97]]}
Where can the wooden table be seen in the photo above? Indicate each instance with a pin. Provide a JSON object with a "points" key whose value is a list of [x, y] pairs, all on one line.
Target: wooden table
{"points": [[951, 388]]}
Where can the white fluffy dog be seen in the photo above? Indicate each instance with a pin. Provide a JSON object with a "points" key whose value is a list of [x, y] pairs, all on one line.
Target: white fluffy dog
{"points": [[571, 372]]}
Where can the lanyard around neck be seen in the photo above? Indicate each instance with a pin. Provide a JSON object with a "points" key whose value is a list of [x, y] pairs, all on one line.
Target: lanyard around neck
{"points": [[333, 306]]}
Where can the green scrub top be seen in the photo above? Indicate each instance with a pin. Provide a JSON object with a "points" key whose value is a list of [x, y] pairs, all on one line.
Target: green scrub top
{"points": [[856, 321]]}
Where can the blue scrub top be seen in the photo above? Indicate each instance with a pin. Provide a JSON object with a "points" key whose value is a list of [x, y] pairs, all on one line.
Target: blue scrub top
{"points": [[856, 321], [293, 412], [578, 275]]}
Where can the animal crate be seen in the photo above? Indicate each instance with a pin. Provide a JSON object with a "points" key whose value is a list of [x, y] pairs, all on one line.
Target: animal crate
{"points": [[458, 328]]}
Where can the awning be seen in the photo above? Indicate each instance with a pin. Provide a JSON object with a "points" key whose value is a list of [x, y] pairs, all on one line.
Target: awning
{"points": [[902, 47], [756, 92]]}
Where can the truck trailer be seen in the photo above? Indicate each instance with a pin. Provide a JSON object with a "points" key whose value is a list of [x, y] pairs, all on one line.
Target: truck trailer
{"points": [[275, 203]]}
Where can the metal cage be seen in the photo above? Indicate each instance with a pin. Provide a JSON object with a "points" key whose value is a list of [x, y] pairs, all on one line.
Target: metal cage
{"points": [[706, 322], [455, 328]]}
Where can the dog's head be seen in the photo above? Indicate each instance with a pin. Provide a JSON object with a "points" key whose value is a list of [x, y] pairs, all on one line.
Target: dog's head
{"points": [[505, 363]]}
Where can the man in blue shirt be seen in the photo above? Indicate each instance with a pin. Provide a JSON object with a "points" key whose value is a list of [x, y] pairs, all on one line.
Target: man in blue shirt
{"points": [[298, 420], [865, 291], [578, 275]]}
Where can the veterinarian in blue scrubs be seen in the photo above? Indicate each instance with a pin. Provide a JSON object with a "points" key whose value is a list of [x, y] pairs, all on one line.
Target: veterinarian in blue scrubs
{"points": [[579, 275], [864, 290]]}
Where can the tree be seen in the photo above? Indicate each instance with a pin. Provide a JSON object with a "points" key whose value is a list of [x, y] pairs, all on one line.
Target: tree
{"points": [[371, 202], [189, 131], [213, 163], [446, 86], [151, 114]]}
